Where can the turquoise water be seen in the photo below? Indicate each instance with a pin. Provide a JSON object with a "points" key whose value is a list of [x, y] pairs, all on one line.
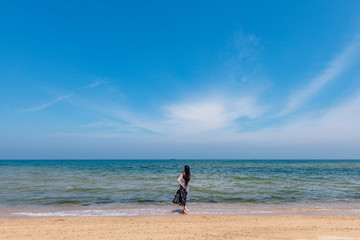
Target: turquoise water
{"points": [[123, 186]]}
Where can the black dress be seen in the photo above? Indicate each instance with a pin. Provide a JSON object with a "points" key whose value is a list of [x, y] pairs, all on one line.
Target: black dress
{"points": [[180, 196]]}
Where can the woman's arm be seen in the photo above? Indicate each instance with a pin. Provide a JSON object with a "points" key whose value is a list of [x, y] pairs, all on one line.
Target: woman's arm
{"points": [[180, 177]]}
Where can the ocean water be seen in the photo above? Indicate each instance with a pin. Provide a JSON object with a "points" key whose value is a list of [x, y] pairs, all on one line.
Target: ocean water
{"points": [[31, 188]]}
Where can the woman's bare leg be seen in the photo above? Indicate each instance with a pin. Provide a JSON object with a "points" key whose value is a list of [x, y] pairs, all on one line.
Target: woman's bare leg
{"points": [[185, 210]]}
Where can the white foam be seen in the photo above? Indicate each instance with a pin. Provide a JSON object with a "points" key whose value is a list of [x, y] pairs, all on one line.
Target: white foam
{"points": [[95, 212], [195, 209]]}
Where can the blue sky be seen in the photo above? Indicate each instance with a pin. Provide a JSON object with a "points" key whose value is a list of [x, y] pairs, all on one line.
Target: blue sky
{"points": [[180, 79]]}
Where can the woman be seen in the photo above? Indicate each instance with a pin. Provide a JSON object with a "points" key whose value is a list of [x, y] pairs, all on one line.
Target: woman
{"points": [[183, 180]]}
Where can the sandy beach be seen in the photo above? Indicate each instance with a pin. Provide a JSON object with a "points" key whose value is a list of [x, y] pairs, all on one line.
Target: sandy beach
{"points": [[184, 227]]}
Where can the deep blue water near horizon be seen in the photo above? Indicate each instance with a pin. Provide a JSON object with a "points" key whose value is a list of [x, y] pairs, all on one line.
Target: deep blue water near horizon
{"points": [[121, 187]]}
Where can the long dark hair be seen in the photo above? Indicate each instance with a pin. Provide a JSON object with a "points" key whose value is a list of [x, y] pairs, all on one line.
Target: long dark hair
{"points": [[187, 174]]}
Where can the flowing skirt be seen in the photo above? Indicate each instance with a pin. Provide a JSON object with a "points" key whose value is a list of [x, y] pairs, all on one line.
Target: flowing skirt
{"points": [[180, 196]]}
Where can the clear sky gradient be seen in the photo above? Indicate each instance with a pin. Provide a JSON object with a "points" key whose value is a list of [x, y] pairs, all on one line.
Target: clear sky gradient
{"points": [[180, 79]]}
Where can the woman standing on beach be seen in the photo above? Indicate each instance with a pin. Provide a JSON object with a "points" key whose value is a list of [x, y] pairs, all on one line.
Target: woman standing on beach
{"points": [[180, 196]]}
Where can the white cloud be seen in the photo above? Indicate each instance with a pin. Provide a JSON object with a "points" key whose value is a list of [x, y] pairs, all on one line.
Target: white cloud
{"points": [[333, 70], [46, 105], [207, 115]]}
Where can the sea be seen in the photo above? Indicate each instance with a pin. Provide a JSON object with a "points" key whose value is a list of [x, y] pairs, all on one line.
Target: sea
{"points": [[58, 188]]}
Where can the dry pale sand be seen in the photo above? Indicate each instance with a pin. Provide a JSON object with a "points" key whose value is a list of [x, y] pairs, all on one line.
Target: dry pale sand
{"points": [[184, 227]]}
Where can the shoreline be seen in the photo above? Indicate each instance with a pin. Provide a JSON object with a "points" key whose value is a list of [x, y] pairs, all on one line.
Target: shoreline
{"points": [[323, 227], [335, 209]]}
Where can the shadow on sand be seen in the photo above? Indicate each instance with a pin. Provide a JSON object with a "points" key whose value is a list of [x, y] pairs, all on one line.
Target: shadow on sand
{"points": [[180, 211]]}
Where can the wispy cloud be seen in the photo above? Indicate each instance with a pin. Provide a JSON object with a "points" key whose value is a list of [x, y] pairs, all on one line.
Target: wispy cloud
{"points": [[333, 70], [46, 105], [94, 134], [96, 83], [246, 46]]}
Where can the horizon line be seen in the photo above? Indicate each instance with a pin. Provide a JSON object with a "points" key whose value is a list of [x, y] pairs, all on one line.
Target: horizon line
{"points": [[175, 159]]}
